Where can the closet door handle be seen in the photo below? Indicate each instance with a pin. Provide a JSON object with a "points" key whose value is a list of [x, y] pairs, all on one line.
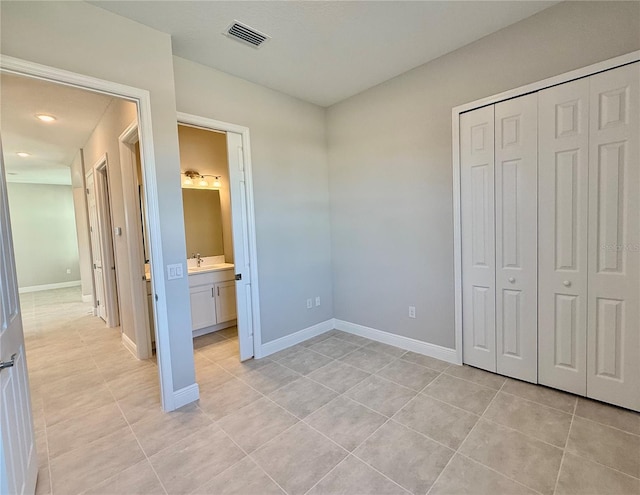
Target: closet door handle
{"points": [[512, 280], [567, 283]]}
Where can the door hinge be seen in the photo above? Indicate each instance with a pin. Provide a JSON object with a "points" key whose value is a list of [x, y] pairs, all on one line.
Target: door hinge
{"points": [[87, 190], [156, 297]]}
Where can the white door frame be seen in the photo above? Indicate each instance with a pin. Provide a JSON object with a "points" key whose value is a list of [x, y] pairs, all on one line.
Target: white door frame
{"points": [[142, 98], [133, 225], [102, 196], [455, 130], [250, 227]]}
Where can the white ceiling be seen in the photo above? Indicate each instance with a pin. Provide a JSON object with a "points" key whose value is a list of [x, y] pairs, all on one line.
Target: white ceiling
{"points": [[324, 51], [52, 145]]}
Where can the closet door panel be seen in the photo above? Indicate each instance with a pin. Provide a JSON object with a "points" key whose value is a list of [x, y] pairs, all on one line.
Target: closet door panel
{"points": [[478, 237], [613, 345], [563, 178], [516, 181]]}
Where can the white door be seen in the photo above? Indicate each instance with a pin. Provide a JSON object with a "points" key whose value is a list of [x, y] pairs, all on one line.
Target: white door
{"points": [[18, 461], [106, 242], [478, 238], [96, 251], [563, 163], [516, 188], [240, 222], [613, 342], [226, 301]]}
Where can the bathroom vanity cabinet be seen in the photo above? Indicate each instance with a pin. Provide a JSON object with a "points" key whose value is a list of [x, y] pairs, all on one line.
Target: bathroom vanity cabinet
{"points": [[213, 300]]}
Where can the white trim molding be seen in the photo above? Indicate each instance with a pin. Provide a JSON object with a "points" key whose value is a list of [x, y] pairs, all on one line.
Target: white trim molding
{"points": [[129, 344], [296, 337], [60, 285], [186, 395], [406, 343], [590, 70]]}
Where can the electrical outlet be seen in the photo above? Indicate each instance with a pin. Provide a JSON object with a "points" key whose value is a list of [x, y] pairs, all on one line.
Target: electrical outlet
{"points": [[309, 303], [68, 271], [317, 300], [412, 311]]}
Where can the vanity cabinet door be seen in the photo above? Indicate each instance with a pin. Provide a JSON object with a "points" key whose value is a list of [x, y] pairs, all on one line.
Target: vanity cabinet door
{"points": [[203, 307], [226, 301]]}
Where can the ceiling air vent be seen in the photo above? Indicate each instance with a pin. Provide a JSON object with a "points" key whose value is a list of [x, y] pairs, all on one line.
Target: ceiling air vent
{"points": [[245, 34]]}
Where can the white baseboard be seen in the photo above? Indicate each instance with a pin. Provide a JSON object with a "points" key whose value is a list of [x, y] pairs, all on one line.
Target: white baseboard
{"points": [[88, 298], [38, 288], [295, 338], [186, 395], [409, 344], [130, 345]]}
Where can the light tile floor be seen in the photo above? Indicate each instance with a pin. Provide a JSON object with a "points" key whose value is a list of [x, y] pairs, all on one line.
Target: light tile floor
{"points": [[338, 414]]}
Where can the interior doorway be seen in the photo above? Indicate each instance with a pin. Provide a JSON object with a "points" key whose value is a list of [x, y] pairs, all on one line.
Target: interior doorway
{"points": [[223, 279], [62, 152]]}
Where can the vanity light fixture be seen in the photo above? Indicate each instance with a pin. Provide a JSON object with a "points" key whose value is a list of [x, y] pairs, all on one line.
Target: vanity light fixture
{"points": [[23, 154], [191, 176], [45, 118]]}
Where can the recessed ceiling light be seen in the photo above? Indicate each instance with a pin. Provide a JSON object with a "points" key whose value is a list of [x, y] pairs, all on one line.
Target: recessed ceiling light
{"points": [[45, 118], [23, 154]]}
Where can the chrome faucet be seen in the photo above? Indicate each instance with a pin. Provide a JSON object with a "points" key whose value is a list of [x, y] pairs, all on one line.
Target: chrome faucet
{"points": [[197, 256]]}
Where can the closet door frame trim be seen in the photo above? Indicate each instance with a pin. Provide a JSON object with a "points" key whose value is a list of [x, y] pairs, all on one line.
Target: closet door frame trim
{"points": [[590, 70]]}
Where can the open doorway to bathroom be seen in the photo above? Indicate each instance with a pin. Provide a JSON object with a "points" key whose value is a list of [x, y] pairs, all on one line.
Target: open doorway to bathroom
{"points": [[220, 239]]}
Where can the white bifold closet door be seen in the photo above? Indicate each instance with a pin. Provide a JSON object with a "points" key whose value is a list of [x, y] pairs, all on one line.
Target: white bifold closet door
{"points": [[613, 331], [498, 157], [516, 206], [563, 153], [478, 238]]}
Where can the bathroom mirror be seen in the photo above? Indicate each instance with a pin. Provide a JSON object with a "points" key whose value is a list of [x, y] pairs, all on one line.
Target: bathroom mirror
{"points": [[202, 222]]}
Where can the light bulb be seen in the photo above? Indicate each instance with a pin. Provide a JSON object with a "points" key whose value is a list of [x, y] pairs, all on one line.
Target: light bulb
{"points": [[216, 183], [45, 117], [203, 182], [188, 182]]}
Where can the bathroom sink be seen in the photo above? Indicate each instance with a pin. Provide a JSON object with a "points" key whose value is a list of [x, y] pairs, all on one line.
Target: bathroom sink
{"points": [[210, 268]]}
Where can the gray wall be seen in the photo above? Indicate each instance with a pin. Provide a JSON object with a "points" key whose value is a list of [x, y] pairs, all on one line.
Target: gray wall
{"points": [[288, 151], [44, 233], [390, 162]]}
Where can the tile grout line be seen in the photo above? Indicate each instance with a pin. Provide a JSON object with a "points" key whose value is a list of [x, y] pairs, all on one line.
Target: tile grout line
{"points": [[564, 449], [462, 442], [144, 453], [247, 454], [302, 420]]}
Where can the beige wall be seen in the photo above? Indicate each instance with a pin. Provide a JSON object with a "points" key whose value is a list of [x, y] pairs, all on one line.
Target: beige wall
{"points": [[206, 152], [44, 233], [289, 157], [104, 139], [390, 162], [202, 222]]}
